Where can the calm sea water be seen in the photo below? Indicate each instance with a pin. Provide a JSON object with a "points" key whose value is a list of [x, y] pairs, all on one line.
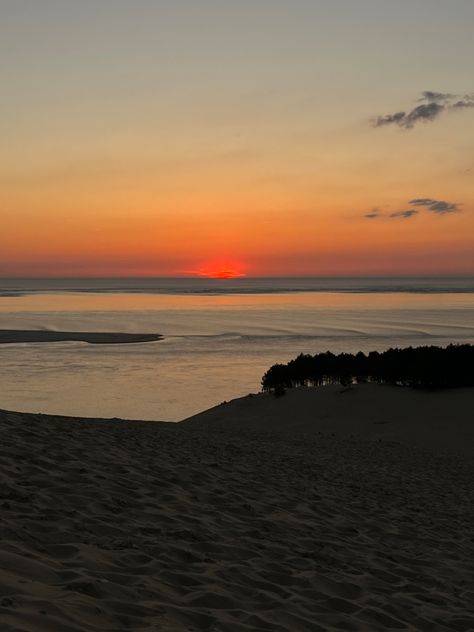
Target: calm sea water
{"points": [[219, 335]]}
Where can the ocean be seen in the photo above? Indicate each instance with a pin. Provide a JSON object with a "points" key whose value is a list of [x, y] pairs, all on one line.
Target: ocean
{"points": [[220, 335]]}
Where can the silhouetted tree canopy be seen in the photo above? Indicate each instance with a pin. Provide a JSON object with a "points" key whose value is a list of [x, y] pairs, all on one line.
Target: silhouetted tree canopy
{"points": [[435, 367]]}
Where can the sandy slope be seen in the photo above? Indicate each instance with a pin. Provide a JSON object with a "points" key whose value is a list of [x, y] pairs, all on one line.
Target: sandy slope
{"points": [[114, 526], [441, 421]]}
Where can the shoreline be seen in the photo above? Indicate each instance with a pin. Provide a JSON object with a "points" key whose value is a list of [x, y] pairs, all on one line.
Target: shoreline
{"points": [[15, 336], [437, 421]]}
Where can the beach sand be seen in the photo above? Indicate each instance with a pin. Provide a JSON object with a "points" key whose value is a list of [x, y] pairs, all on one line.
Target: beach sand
{"points": [[327, 509], [14, 336]]}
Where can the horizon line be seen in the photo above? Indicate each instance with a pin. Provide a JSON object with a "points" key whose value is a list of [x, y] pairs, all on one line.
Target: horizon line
{"points": [[243, 277]]}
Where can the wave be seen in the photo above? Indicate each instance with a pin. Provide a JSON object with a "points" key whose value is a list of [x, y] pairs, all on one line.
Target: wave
{"points": [[330, 334]]}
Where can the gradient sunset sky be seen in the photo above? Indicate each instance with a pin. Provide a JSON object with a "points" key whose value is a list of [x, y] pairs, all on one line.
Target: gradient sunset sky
{"points": [[263, 137]]}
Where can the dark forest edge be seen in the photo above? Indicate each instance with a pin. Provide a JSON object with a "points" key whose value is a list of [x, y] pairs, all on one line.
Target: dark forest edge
{"points": [[423, 367]]}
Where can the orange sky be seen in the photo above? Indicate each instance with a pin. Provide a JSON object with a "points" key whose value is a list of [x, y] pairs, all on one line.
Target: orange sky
{"points": [[143, 156]]}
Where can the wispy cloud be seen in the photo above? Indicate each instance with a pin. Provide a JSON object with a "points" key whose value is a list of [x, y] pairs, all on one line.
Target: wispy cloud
{"points": [[432, 105], [436, 206], [404, 214], [429, 95], [439, 207], [467, 102], [373, 214]]}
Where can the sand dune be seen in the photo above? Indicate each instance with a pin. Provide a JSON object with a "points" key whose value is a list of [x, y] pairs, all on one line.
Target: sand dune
{"points": [[11, 336], [235, 525], [441, 421]]}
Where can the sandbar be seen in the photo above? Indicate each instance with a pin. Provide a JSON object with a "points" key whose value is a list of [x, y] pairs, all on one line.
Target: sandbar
{"points": [[12, 336]]}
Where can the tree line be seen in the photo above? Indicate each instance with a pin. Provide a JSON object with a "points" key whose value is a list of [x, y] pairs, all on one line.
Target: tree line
{"points": [[428, 367]]}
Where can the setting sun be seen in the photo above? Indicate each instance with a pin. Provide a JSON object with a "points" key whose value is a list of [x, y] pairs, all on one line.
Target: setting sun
{"points": [[221, 270]]}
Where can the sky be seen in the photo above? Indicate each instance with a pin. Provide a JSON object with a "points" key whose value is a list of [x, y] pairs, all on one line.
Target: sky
{"points": [[258, 137]]}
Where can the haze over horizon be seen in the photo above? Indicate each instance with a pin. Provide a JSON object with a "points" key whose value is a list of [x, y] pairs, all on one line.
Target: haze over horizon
{"points": [[226, 139]]}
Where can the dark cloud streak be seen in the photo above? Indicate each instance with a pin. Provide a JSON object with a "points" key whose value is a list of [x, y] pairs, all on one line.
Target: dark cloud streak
{"points": [[373, 214], [405, 214], [439, 207], [465, 103], [434, 104], [435, 97]]}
